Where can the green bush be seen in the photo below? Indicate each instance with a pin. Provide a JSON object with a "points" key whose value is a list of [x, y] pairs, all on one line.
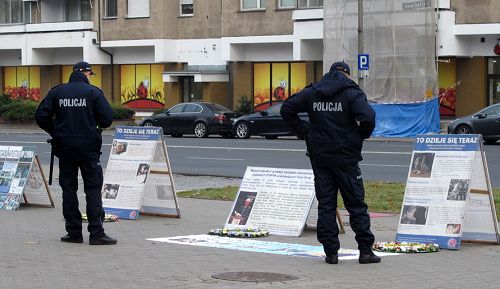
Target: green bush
{"points": [[121, 112], [19, 110], [245, 105], [4, 100]]}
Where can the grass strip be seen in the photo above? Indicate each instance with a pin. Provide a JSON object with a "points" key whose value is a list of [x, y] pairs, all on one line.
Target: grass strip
{"points": [[380, 196]]}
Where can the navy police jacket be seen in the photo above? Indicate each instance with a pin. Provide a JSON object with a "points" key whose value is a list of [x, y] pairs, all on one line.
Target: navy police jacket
{"points": [[340, 118], [71, 113]]}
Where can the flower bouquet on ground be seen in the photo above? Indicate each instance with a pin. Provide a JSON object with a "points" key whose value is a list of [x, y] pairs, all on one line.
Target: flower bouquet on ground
{"points": [[405, 247], [107, 218], [239, 233]]}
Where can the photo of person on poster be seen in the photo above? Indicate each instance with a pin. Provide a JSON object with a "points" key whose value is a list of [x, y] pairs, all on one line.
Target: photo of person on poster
{"points": [[242, 208], [421, 166], [142, 173], [414, 215], [457, 191]]}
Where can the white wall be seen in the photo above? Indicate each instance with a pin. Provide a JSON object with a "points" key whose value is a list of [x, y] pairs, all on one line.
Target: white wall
{"points": [[10, 57]]}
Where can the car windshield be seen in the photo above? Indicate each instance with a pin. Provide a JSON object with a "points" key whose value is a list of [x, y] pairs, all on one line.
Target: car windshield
{"points": [[216, 108]]}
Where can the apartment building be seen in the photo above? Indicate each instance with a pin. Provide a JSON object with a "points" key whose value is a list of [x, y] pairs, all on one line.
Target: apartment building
{"points": [[153, 53], [150, 54]]}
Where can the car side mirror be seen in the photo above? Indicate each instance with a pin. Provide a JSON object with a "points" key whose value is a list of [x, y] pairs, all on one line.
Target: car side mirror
{"points": [[167, 113], [264, 113], [481, 115]]}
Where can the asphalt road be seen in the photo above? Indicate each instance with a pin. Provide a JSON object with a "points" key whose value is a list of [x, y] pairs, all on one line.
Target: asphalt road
{"points": [[387, 161]]}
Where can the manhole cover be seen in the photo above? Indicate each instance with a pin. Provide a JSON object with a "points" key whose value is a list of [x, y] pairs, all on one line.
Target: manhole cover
{"points": [[254, 277]]}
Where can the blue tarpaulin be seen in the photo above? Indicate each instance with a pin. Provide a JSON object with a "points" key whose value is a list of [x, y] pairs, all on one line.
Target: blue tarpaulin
{"points": [[406, 119]]}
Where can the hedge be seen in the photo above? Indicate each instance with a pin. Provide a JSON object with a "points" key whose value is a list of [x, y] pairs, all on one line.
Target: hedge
{"points": [[22, 109]]}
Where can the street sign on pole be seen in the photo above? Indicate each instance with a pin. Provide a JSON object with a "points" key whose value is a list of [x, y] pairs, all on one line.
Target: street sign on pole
{"points": [[363, 62]]}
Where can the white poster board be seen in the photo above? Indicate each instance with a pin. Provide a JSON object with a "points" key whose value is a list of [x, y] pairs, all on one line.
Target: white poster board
{"points": [[160, 197], [18, 166], [447, 177], [138, 177], [274, 199]]}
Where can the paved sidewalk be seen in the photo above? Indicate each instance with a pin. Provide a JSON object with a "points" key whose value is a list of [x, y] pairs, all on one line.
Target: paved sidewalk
{"points": [[33, 257]]}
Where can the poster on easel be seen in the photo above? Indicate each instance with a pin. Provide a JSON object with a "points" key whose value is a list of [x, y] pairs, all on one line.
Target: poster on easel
{"points": [[275, 199], [448, 198], [160, 198], [19, 170], [136, 173]]}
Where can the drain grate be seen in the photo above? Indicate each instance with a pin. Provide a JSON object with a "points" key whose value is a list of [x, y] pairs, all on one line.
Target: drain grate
{"points": [[254, 277]]}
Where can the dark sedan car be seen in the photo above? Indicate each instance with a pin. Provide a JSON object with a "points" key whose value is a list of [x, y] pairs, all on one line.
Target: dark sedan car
{"points": [[198, 118], [485, 122], [267, 123]]}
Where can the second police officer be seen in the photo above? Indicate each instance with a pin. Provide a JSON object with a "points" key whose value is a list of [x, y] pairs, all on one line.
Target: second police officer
{"points": [[340, 118]]}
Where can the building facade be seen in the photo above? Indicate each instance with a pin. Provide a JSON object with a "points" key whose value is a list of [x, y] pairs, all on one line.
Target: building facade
{"points": [[150, 54]]}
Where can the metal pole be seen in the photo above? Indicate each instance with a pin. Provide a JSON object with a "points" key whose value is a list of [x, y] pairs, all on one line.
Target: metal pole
{"points": [[360, 38]]}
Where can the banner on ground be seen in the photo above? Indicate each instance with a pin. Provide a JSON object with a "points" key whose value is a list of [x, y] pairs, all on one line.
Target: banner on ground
{"points": [[21, 179], [448, 197], [129, 176], [274, 199]]}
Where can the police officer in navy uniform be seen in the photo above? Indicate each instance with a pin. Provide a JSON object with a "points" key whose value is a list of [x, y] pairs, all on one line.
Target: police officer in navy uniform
{"points": [[340, 118], [74, 115]]}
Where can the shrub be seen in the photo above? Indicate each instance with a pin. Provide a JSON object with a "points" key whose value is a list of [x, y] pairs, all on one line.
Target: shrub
{"points": [[245, 105], [121, 112], [19, 110], [4, 100]]}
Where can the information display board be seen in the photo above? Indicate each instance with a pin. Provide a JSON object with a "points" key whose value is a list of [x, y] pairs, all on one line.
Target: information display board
{"points": [[135, 151], [274, 199], [448, 197], [21, 179]]}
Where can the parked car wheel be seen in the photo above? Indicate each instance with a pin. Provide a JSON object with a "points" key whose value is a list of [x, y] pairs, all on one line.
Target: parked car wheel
{"points": [[148, 123], [200, 130], [177, 135], [463, 129], [271, 137], [242, 130]]}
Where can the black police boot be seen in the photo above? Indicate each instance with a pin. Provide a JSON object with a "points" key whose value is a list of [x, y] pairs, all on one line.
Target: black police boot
{"points": [[104, 240], [72, 239], [332, 259], [367, 258]]}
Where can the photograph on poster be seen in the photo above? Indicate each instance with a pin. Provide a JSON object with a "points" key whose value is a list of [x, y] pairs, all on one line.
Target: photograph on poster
{"points": [[142, 173], [453, 228], [22, 171], [11, 202], [421, 166], [35, 180], [414, 215], [242, 208], [118, 147], [110, 191], [5, 185], [457, 190], [162, 193]]}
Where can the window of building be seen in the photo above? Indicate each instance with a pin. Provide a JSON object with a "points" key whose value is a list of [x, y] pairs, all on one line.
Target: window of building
{"points": [[253, 4], [310, 3], [137, 8], [77, 10], [11, 11], [110, 8], [186, 8], [284, 4]]}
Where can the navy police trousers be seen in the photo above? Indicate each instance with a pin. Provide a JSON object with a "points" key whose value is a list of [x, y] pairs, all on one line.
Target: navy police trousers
{"points": [[328, 180], [92, 181]]}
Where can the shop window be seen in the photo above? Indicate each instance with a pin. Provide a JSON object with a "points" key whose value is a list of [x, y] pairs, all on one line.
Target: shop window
{"points": [[310, 3], [137, 8], [110, 8], [22, 82], [287, 4], [275, 82], [186, 8], [253, 4], [142, 86]]}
